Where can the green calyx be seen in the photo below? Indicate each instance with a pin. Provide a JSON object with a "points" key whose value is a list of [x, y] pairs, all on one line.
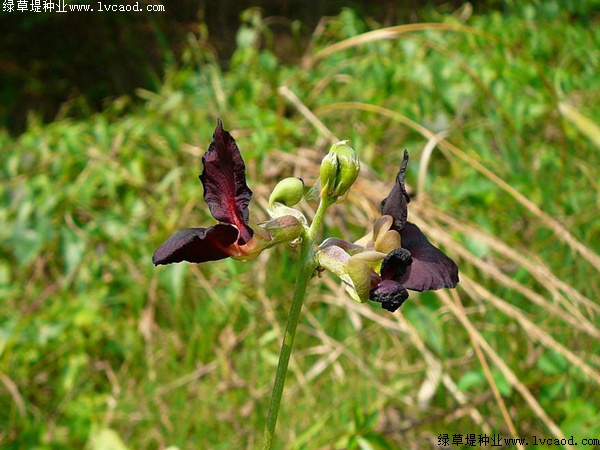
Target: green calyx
{"points": [[283, 229]]}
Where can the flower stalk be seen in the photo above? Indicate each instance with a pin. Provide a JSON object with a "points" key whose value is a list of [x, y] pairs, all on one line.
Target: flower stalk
{"points": [[307, 265]]}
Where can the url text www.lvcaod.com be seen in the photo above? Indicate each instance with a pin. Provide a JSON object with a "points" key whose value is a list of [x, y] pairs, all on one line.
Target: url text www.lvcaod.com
{"points": [[496, 440], [61, 6]]}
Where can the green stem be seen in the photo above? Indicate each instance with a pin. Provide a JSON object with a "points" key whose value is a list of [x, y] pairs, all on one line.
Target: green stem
{"points": [[306, 267], [325, 203]]}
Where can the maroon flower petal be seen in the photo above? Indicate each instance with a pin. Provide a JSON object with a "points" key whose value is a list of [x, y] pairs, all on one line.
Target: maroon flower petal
{"points": [[430, 268], [224, 181], [197, 245], [390, 294], [396, 203]]}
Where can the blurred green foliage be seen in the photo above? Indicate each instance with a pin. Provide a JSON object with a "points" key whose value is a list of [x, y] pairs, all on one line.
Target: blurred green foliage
{"points": [[99, 348], [58, 65]]}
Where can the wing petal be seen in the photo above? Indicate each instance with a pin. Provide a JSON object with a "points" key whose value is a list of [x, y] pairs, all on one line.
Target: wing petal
{"points": [[197, 245]]}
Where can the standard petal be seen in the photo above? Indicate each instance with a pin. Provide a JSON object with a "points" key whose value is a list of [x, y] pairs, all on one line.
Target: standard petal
{"points": [[224, 181], [197, 245], [396, 203], [430, 268]]}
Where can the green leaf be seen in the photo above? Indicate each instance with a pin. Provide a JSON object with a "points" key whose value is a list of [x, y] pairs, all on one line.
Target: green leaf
{"points": [[470, 379], [105, 439]]}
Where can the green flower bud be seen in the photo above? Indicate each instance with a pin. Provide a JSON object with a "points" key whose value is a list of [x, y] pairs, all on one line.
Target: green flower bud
{"points": [[288, 192], [329, 170], [339, 170]]}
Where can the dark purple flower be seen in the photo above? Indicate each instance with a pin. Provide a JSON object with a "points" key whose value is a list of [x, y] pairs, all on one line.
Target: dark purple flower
{"points": [[227, 196], [417, 265], [394, 257]]}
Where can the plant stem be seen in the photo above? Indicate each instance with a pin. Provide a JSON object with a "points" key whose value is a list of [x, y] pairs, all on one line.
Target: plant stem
{"points": [[306, 266], [325, 203]]}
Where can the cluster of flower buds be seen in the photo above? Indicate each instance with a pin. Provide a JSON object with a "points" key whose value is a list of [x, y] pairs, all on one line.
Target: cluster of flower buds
{"points": [[393, 257], [339, 170]]}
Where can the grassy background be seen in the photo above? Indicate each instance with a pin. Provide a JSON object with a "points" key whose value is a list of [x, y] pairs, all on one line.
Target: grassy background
{"points": [[500, 113]]}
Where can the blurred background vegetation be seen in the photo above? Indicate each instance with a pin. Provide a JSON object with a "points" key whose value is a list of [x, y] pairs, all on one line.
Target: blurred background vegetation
{"points": [[74, 64], [104, 120]]}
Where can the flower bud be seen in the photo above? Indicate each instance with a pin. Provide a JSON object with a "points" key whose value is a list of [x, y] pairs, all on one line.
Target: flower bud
{"points": [[288, 192], [339, 170]]}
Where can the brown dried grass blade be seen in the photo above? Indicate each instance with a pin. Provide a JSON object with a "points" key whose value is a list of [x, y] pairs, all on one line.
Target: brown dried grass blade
{"points": [[501, 365], [389, 33]]}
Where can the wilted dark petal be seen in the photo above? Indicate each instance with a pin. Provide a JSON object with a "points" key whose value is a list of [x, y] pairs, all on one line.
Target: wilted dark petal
{"points": [[197, 245], [345, 245], [430, 268], [395, 264], [390, 294], [396, 203], [224, 181]]}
